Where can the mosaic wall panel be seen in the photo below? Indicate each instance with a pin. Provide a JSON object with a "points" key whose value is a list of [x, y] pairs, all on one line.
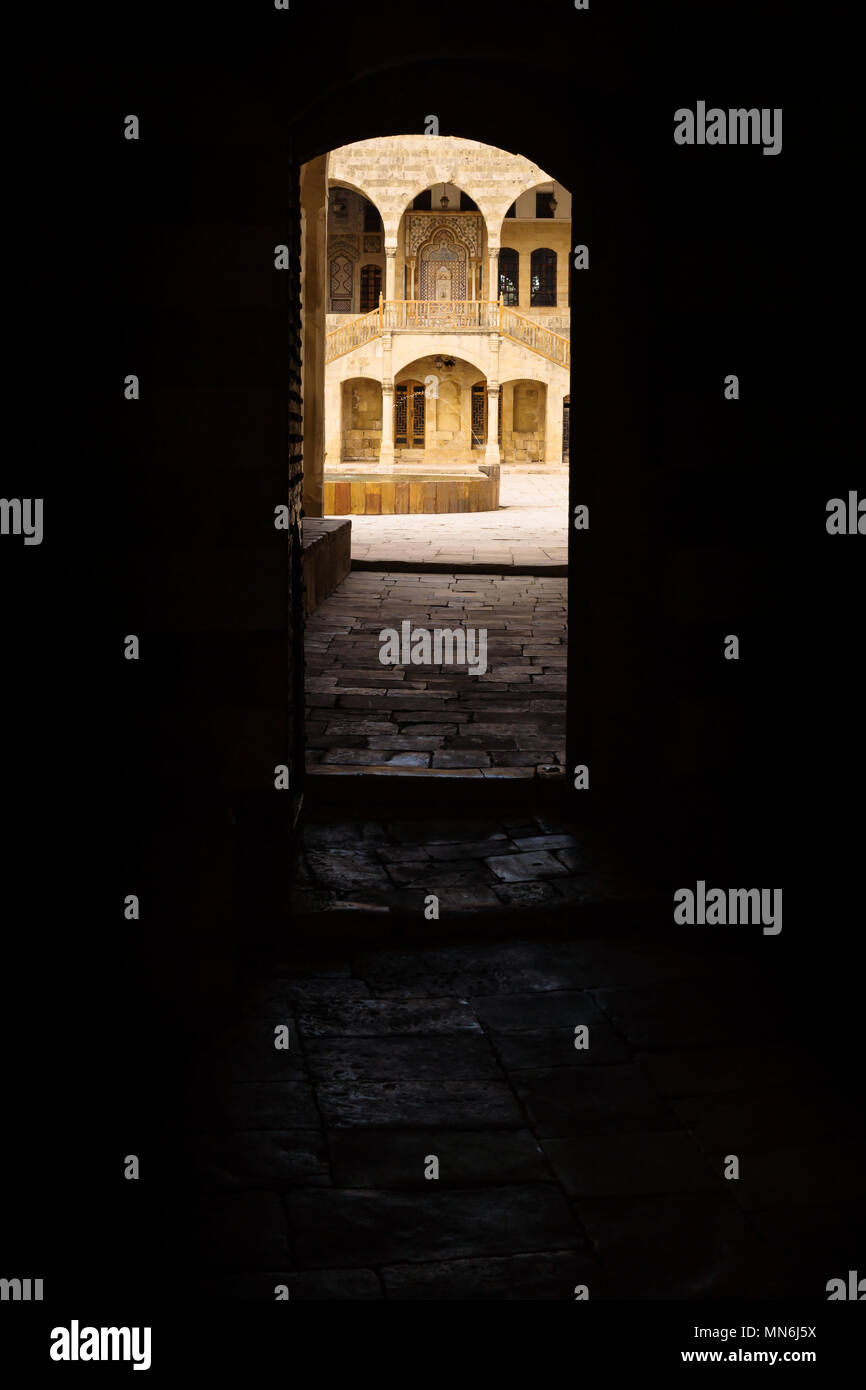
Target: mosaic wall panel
{"points": [[341, 285], [343, 245], [466, 227], [442, 266]]}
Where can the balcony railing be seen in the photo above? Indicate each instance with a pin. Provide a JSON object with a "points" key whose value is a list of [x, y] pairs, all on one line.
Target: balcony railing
{"points": [[439, 313], [425, 315]]}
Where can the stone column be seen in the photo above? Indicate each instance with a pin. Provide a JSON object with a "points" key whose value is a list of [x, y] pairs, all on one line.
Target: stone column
{"points": [[491, 453], [386, 451], [390, 271], [492, 272], [493, 343], [387, 343]]}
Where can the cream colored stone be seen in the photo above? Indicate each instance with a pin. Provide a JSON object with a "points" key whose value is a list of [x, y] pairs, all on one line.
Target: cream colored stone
{"points": [[357, 392]]}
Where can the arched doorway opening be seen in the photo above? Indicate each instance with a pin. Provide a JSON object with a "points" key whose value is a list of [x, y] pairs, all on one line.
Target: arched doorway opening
{"points": [[361, 419]]}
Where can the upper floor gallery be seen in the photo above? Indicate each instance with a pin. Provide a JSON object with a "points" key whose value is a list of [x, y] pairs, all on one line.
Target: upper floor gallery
{"points": [[420, 221]]}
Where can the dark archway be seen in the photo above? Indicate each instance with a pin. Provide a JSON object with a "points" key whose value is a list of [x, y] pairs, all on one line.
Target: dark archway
{"points": [[684, 277]]}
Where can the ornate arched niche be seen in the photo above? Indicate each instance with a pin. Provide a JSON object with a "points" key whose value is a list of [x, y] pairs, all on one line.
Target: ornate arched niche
{"points": [[442, 267]]}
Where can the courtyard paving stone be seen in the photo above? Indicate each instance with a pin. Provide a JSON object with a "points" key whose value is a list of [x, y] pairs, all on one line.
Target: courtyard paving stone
{"points": [[468, 1056], [387, 1017], [389, 1227], [460, 1104], [375, 1158], [303, 1286], [539, 1050], [557, 1166], [629, 1164], [264, 1159], [591, 1100], [437, 710], [553, 1275], [683, 1245], [509, 1013], [530, 526]]}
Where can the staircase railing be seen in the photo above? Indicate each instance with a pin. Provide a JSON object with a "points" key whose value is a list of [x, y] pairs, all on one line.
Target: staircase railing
{"points": [[529, 333], [353, 335], [426, 314]]}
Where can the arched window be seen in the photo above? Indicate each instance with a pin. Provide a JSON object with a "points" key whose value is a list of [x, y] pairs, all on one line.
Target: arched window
{"points": [[371, 287], [509, 262], [543, 278]]}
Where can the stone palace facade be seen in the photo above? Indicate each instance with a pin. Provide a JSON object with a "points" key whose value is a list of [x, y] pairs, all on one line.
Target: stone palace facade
{"points": [[438, 270]]}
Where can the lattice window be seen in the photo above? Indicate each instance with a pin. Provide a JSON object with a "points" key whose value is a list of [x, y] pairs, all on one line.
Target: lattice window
{"points": [[478, 416], [566, 421], [418, 417], [400, 394], [543, 278], [409, 411], [371, 287], [509, 263]]}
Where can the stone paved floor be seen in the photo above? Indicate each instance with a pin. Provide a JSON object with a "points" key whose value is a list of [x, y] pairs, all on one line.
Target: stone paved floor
{"points": [[530, 528], [557, 1166], [512, 862], [429, 721]]}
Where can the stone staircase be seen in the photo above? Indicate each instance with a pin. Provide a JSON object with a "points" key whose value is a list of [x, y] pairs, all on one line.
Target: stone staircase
{"points": [[399, 316]]}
